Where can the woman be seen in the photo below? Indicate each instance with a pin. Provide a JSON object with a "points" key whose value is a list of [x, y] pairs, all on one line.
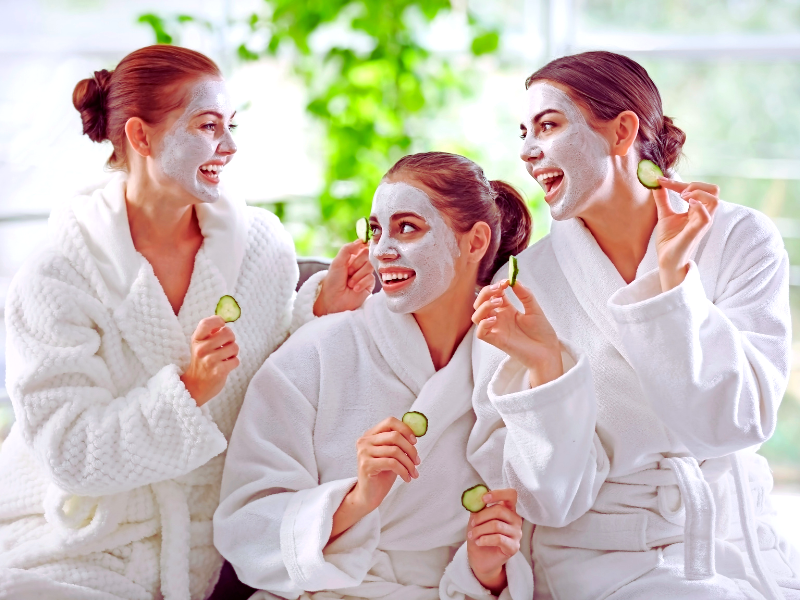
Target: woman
{"points": [[636, 470], [124, 383], [326, 492]]}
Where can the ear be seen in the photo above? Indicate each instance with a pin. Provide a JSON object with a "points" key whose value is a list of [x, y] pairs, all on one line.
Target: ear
{"points": [[479, 238], [625, 128], [138, 134]]}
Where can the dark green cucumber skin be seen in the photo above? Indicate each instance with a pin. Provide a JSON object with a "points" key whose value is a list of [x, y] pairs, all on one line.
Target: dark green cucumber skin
{"points": [[219, 303], [467, 491], [513, 279], [414, 412]]}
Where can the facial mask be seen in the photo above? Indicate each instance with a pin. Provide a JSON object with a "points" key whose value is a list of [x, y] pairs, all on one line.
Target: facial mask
{"points": [[432, 257], [576, 149], [183, 150]]}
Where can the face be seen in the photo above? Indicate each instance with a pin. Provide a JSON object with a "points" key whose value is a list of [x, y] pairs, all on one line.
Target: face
{"points": [[413, 249], [198, 144], [568, 158]]}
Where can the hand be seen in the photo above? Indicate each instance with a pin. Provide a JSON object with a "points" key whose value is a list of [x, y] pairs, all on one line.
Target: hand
{"points": [[527, 337], [493, 537], [384, 452], [349, 281], [214, 356], [678, 234]]}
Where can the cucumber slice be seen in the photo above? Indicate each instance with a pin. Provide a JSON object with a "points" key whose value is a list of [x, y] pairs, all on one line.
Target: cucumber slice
{"points": [[363, 230], [472, 499], [228, 309], [417, 422], [648, 172], [513, 271]]}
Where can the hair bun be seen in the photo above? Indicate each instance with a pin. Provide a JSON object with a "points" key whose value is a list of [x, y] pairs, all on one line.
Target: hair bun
{"points": [[670, 142], [89, 98], [516, 223]]}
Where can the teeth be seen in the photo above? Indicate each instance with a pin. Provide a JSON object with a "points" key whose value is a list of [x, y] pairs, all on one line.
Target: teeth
{"points": [[392, 276], [212, 168], [547, 176]]}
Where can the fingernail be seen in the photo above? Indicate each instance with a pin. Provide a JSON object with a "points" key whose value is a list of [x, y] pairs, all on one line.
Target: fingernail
{"points": [[487, 498], [413, 439], [416, 460], [494, 287], [497, 301], [478, 542], [469, 535], [491, 319]]}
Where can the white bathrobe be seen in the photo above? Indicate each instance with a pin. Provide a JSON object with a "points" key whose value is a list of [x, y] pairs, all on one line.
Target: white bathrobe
{"points": [[111, 473], [625, 464], [292, 459]]}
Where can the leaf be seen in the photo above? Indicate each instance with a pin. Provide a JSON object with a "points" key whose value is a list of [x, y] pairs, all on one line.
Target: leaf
{"points": [[485, 43], [158, 26], [245, 53]]}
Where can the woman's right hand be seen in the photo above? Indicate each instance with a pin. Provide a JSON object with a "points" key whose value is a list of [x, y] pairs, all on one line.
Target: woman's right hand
{"points": [[214, 356], [527, 337]]}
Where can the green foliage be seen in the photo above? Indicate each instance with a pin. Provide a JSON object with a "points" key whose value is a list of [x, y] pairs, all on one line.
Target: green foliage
{"points": [[369, 95]]}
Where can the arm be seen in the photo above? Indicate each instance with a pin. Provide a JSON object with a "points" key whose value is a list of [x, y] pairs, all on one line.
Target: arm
{"points": [[89, 438], [275, 518]]}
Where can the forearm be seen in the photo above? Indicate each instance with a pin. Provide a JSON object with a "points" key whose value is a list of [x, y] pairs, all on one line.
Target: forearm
{"points": [[494, 581], [350, 511]]}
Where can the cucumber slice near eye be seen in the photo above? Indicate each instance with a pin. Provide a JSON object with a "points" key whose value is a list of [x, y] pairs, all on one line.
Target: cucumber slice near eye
{"points": [[513, 271], [363, 230], [472, 499], [228, 309], [417, 422], [648, 173]]}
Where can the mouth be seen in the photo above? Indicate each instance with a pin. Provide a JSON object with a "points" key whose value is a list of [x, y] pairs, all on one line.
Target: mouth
{"points": [[395, 279], [211, 171], [550, 180]]}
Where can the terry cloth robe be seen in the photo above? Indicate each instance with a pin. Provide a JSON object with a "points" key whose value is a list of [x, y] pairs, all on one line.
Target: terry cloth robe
{"points": [[111, 474], [638, 466], [292, 459]]}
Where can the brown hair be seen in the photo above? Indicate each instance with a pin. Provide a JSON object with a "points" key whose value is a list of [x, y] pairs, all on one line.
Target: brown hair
{"points": [[465, 196], [143, 85], [608, 84]]}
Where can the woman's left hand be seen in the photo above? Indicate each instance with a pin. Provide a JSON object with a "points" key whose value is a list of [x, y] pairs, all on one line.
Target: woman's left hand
{"points": [[349, 281], [494, 535], [678, 234]]}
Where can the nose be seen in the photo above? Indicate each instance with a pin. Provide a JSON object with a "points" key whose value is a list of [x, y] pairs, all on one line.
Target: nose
{"points": [[384, 249], [531, 151], [226, 145]]}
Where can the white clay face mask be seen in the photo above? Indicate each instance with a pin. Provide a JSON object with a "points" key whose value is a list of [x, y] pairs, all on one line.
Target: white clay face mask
{"points": [[573, 160], [414, 272], [186, 147]]}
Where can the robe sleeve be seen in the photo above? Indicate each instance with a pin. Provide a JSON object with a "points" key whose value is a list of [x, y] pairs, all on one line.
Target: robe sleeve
{"points": [[90, 439], [722, 363], [275, 518], [539, 441], [304, 299]]}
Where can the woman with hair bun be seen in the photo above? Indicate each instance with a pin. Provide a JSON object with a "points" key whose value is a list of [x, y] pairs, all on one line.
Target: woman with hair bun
{"points": [[125, 384], [637, 465], [327, 492]]}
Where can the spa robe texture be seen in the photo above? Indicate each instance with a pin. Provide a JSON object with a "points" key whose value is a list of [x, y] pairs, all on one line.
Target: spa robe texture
{"points": [[111, 473], [292, 459], [629, 464]]}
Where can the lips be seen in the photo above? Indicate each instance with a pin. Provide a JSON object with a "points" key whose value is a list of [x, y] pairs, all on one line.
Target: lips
{"points": [[550, 179], [211, 171], [393, 279]]}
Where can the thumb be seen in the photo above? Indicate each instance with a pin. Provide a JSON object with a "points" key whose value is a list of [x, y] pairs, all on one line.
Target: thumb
{"points": [[663, 206], [529, 303]]}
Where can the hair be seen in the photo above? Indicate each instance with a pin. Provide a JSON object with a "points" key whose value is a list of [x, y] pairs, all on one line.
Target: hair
{"points": [[145, 85], [608, 84], [465, 196]]}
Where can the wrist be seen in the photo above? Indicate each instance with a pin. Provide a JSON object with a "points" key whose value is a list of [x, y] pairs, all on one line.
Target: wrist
{"points": [[494, 580], [360, 502], [546, 367], [671, 275]]}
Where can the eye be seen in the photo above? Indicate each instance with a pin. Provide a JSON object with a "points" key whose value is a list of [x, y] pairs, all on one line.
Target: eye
{"points": [[209, 126], [233, 126], [523, 134], [548, 125], [376, 231], [406, 227]]}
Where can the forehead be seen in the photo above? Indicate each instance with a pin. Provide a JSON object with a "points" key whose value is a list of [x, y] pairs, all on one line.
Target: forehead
{"points": [[543, 96], [394, 197], [210, 94]]}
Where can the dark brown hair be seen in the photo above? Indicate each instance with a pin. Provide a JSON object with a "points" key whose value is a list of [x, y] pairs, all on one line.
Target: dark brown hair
{"points": [[463, 194], [143, 85], [608, 84]]}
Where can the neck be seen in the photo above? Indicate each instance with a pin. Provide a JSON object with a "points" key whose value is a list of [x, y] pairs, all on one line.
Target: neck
{"points": [[622, 222], [445, 322], [155, 217]]}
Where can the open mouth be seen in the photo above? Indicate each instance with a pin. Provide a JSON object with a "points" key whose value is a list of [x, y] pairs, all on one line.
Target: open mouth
{"points": [[211, 172], [395, 279], [550, 180]]}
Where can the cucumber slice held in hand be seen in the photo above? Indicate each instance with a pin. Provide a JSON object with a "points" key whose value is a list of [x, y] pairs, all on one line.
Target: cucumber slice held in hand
{"points": [[472, 499], [513, 271], [363, 230], [417, 422], [648, 173], [228, 309]]}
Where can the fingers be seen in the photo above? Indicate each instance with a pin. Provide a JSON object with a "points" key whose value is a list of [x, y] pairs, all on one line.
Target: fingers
{"points": [[358, 259], [699, 219], [394, 438], [707, 199], [393, 424], [359, 276], [709, 188], [508, 546], [496, 528], [496, 512], [488, 291], [527, 298], [365, 283], [663, 207], [380, 465], [206, 327], [489, 308], [507, 496], [671, 184], [226, 352], [382, 452]]}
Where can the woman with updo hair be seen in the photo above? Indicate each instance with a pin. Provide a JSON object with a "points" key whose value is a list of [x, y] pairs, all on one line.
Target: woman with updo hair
{"points": [[125, 383], [655, 324], [329, 491]]}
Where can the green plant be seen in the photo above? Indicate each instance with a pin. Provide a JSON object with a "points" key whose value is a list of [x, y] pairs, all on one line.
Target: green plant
{"points": [[370, 97]]}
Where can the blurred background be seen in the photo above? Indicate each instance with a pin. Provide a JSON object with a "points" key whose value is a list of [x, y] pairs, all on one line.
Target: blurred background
{"points": [[332, 92]]}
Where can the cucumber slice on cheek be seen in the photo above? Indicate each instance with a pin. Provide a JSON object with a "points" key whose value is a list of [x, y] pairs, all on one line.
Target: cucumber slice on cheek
{"points": [[363, 230], [417, 422], [648, 173], [228, 309], [472, 499], [513, 271]]}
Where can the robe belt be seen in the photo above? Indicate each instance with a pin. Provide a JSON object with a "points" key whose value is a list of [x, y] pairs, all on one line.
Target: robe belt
{"points": [[175, 539]]}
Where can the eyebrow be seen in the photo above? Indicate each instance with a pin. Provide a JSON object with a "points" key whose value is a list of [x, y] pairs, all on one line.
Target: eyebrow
{"points": [[215, 113], [539, 116]]}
